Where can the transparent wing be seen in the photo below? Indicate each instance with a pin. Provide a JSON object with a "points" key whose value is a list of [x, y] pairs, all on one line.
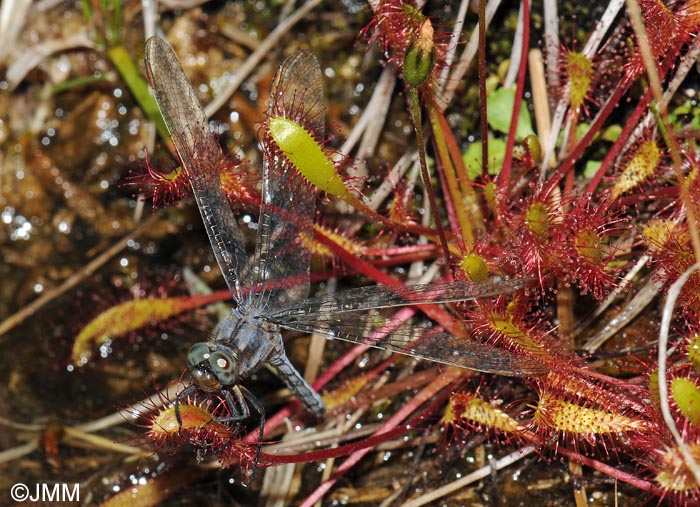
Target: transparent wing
{"points": [[440, 347], [338, 316], [288, 205], [200, 156], [383, 296]]}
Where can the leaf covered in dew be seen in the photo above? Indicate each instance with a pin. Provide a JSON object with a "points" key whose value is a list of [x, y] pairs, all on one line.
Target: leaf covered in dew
{"points": [[687, 397], [126, 317], [580, 72], [472, 408], [559, 414], [306, 155], [638, 168], [502, 325]]}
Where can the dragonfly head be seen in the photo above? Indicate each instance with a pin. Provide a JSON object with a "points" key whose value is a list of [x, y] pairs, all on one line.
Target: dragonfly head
{"points": [[212, 370]]}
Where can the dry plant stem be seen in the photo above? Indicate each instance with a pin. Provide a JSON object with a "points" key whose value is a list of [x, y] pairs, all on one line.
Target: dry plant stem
{"points": [[540, 96], [20, 451], [371, 122], [406, 161], [149, 8], [482, 473], [454, 40], [130, 413], [13, 14], [102, 443], [551, 39], [639, 302], [256, 56], [516, 50], [75, 279], [635, 15], [579, 492], [666, 317], [465, 60], [451, 374]]}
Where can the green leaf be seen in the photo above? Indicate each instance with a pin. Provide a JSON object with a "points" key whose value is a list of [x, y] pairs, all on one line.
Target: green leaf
{"points": [[591, 168], [307, 156], [612, 133], [473, 159], [499, 105], [687, 396]]}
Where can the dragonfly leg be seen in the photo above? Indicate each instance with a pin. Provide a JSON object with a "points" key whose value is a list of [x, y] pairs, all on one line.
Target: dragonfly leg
{"points": [[294, 381], [183, 394], [236, 404], [260, 409]]}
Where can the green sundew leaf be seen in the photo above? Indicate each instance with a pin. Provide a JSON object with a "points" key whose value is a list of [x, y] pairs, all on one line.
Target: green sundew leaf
{"points": [[307, 156], [499, 105], [581, 130], [687, 396], [591, 168], [138, 87], [473, 158], [684, 108], [612, 133]]}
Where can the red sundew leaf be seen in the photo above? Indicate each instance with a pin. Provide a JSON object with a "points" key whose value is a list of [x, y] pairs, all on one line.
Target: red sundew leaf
{"points": [[129, 316]]}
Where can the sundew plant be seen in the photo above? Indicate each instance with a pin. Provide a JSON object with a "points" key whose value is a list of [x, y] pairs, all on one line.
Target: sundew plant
{"points": [[544, 154]]}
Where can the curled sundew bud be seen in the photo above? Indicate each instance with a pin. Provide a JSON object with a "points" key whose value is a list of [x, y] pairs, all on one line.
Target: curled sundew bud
{"points": [[420, 57], [475, 268]]}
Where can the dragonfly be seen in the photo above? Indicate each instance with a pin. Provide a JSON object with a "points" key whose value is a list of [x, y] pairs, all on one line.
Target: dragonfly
{"points": [[271, 293]]}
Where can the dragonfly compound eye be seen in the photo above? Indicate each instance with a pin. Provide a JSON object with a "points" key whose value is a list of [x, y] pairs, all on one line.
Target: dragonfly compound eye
{"points": [[224, 367], [199, 352]]}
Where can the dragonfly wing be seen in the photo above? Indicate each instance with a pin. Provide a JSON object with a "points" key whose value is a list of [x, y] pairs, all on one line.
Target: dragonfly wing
{"points": [[200, 156], [384, 296], [440, 347], [281, 265]]}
